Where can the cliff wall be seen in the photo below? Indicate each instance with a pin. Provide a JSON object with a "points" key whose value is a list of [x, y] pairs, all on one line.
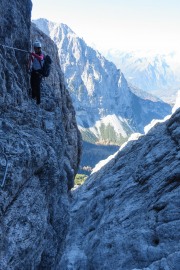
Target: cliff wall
{"points": [[42, 145]]}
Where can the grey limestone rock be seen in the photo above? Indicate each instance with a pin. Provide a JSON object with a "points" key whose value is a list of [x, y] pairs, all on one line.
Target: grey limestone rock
{"points": [[127, 215], [42, 145]]}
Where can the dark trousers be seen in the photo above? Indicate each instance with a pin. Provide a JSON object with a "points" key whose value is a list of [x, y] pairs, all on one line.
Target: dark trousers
{"points": [[36, 80]]}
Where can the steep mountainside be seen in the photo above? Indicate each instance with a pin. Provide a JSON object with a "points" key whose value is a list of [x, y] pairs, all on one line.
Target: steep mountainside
{"points": [[127, 215], [158, 74], [107, 110], [42, 146]]}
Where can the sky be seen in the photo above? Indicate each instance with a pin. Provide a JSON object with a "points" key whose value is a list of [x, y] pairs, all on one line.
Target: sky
{"points": [[117, 24]]}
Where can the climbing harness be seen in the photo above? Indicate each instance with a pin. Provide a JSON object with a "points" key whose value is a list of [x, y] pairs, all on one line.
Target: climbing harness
{"points": [[3, 164]]}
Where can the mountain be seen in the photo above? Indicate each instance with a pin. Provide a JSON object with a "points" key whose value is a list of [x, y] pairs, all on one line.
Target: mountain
{"points": [[158, 74], [127, 215], [40, 149], [107, 110], [130, 208]]}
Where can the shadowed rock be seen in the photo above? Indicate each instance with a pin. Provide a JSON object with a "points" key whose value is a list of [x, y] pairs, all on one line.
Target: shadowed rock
{"points": [[42, 145]]}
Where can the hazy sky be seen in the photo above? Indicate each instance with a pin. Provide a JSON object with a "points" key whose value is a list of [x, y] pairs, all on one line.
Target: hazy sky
{"points": [[120, 24]]}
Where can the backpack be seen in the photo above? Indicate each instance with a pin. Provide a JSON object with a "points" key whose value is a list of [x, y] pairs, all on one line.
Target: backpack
{"points": [[46, 67]]}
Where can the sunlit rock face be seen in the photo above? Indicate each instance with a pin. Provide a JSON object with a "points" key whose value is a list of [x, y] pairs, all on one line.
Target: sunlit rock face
{"points": [[42, 145], [127, 215]]}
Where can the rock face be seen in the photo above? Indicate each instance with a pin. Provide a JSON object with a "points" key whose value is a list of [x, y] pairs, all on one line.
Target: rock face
{"points": [[14, 32], [127, 215], [107, 109], [42, 145]]}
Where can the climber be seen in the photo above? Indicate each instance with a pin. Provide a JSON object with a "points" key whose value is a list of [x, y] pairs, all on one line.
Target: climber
{"points": [[35, 66]]}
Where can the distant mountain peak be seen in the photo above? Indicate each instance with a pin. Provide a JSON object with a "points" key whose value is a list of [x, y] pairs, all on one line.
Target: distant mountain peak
{"points": [[155, 73], [48, 26], [100, 91]]}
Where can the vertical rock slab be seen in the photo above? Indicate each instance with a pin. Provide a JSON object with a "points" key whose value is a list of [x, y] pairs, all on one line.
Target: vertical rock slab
{"points": [[42, 145]]}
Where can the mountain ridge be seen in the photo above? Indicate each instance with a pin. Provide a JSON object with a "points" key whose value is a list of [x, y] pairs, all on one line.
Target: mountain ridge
{"points": [[155, 73], [99, 91]]}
